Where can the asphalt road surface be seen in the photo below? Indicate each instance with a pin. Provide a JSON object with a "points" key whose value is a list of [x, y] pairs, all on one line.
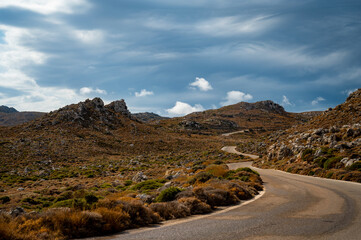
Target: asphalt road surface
{"points": [[292, 207]]}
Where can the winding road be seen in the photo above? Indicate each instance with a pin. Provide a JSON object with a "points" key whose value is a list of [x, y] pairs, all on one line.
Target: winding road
{"points": [[292, 207]]}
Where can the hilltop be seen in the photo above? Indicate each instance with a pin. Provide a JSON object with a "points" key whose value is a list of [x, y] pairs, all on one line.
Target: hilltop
{"points": [[240, 116], [10, 116], [148, 117], [5, 109]]}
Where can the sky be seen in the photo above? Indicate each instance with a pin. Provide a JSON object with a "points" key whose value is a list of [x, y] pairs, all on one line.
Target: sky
{"points": [[175, 57]]}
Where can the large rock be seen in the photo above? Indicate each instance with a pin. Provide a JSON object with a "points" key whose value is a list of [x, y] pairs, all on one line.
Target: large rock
{"points": [[119, 107], [139, 177]]}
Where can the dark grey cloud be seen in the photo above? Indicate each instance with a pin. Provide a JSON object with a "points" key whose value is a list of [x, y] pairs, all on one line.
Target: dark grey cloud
{"points": [[269, 49]]}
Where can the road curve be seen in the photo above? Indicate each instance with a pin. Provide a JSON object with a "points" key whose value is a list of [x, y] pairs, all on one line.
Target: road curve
{"points": [[293, 207], [232, 149]]}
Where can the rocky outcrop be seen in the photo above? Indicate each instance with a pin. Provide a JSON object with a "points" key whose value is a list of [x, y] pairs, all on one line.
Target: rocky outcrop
{"points": [[148, 117], [267, 106], [90, 113], [5, 109], [119, 107]]}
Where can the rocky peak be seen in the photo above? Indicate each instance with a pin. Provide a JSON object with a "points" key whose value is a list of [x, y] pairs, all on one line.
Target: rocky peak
{"points": [[5, 109], [90, 113], [268, 106], [119, 107]]}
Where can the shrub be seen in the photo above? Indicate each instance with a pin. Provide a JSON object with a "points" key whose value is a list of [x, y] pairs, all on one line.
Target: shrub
{"points": [[195, 205], [247, 169], [139, 214], [168, 194], [217, 170], [356, 166], [331, 162], [201, 177], [64, 196], [115, 220], [215, 197], [76, 203], [147, 185], [307, 155], [170, 210], [4, 199], [320, 161], [90, 198], [128, 182], [329, 175]]}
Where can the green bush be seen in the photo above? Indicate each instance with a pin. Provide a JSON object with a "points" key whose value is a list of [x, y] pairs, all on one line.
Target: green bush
{"points": [[247, 169], [329, 175], [90, 198], [168, 194], [147, 185], [4, 199], [355, 166], [307, 155], [201, 177], [320, 161], [128, 182], [331, 162], [64, 196], [76, 203]]}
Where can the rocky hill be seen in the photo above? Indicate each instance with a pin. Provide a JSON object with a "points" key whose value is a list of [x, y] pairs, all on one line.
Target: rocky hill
{"points": [[86, 130], [240, 116], [328, 145], [5, 109], [148, 117], [10, 116]]}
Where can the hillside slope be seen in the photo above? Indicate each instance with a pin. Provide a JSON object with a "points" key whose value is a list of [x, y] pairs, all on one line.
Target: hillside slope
{"points": [[240, 116], [328, 145]]}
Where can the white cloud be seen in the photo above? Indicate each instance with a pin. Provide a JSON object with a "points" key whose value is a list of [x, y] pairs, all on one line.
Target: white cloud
{"points": [[235, 97], [276, 56], [144, 93], [89, 36], [317, 100], [202, 84], [231, 25], [47, 6], [30, 95], [349, 91], [87, 90], [286, 101], [181, 108]]}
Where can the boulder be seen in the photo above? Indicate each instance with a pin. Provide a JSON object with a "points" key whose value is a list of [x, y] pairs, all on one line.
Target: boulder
{"points": [[139, 177], [17, 211]]}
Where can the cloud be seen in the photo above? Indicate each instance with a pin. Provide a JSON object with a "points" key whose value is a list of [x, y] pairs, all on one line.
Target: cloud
{"points": [[286, 101], [87, 91], [349, 91], [89, 36], [144, 93], [202, 84], [46, 6], [233, 25], [235, 97], [14, 57], [181, 108], [317, 100]]}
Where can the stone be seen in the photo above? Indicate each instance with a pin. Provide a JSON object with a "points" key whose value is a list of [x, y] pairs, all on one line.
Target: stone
{"points": [[283, 152], [17, 211], [165, 186], [119, 107], [145, 198], [139, 177]]}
